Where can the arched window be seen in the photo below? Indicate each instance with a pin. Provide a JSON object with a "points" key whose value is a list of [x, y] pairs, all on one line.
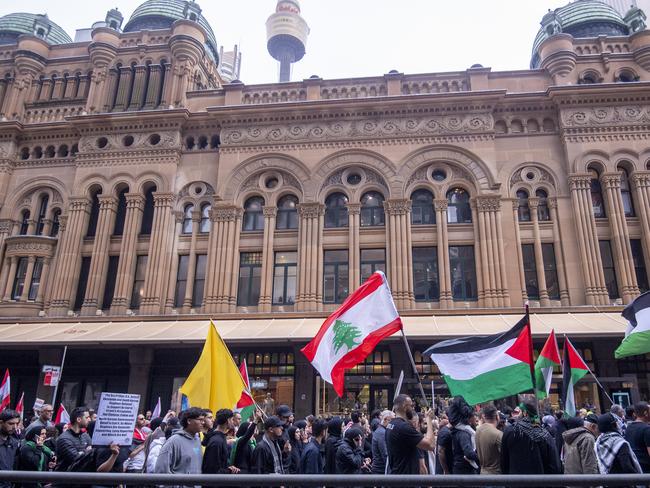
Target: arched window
{"points": [[287, 213], [543, 214], [147, 213], [56, 223], [42, 210], [523, 211], [372, 209], [253, 214], [458, 209], [24, 222], [120, 216], [187, 219], [597, 203], [626, 194], [422, 212], [94, 215], [336, 210], [205, 218]]}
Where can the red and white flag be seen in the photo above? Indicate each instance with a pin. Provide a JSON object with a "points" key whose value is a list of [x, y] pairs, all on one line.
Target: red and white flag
{"points": [[353, 331], [5, 389], [246, 405], [20, 406], [156, 410], [62, 415]]}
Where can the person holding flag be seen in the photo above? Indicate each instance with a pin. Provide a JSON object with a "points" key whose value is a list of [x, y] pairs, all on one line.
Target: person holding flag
{"points": [[245, 405]]}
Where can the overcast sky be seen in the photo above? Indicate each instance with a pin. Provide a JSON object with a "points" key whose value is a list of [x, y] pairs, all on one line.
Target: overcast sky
{"points": [[352, 38]]}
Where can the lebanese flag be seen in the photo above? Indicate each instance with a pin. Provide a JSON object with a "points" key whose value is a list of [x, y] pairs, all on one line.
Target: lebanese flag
{"points": [[20, 406], [484, 368], [246, 404], [574, 368], [5, 389], [549, 358], [156, 410], [62, 415], [353, 331]]}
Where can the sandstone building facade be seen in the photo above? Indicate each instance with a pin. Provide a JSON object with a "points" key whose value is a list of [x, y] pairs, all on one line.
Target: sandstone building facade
{"points": [[142, 194]]}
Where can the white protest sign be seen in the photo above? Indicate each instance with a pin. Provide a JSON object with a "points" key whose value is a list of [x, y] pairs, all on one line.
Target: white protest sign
{"points": [[116, 419]]}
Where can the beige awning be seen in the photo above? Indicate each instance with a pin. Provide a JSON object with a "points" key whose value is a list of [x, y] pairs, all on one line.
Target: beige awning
{"points": [[278, 330]]}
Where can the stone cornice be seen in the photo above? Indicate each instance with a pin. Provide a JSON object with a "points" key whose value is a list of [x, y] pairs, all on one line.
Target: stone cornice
{"points": [[38, 246]]}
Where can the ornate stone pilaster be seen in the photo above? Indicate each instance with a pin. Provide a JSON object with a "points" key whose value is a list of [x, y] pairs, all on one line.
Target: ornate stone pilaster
{"points": [[559, 253], [128, 257], [442, 241], [398, 242], [191, 264], [354, 248], [173, 273], [13, 263], [44, 275], [138, 88], [266, 284], [99, 259], [123, 89], [544, 300], [641, 184], [159, 254], [520, 259], [310, 257], [592, 267], [490, 238], [31, 260], [153, 90]]}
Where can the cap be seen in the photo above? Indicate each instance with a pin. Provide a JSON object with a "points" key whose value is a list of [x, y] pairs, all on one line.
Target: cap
{"points": [[284, 411], [273, 421], [592, 418]]}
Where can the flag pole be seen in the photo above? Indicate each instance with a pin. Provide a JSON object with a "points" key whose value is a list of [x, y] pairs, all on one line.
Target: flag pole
{"points": [[593, 375], [532, 354], [56, 388], [415, 369]]}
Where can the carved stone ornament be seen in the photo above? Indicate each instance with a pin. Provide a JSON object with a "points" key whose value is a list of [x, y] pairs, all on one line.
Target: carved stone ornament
{"points": [[310, 210], [606, 116], [441, 204], [488, 203], [397, 207], [115, 142], [531, 174], [221, 213], [39, 246], [269, 212], [358, 129], [7, 149]]}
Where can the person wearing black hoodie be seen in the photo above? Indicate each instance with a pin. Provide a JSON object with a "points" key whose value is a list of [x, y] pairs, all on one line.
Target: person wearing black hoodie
{"points": [[241, 452], [216, 456], [296, 449], [334, 429], [349, 455]]}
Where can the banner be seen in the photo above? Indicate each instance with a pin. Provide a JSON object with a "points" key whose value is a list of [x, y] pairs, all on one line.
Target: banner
{"points": [[116, 419], [51, 375]]}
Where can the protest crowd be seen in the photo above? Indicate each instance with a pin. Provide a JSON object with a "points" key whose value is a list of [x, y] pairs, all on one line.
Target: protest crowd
{"points": [[459, 440]]}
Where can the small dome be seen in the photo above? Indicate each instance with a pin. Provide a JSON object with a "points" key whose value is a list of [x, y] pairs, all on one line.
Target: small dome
{"points": [[14, 25], [161, 14], [581, 18]]}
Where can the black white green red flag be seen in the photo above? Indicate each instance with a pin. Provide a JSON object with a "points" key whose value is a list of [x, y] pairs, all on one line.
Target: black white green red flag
{"points": [[484, 368], [353, 331], [637, 335], [549, 358], [246, 405], [574, 368]]}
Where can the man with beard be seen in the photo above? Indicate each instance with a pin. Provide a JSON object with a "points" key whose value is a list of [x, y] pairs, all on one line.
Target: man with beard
{"points": [[403, 440], [527, 447]]}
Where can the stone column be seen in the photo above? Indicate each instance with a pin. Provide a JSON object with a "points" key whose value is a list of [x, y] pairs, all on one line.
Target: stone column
{"points": [[559, 254], [520, 259], [641, 183], [105, 88], [191, 263], [354, 248], [123, 89], [53, 276], [4, 276], [620, 237], [173, 273], [481, 263], [398, 217], [44, 275], [128, 255], [28, 278], [266, 284], [13, 264], [46, 90], [139, 88], [140, 361], [70, 87], [165, 96], [491, 243], [69, 262], [155, 277], [99, 259], [310, 257], [592, 266], [544, 300], [442, 248], [153, 88]]}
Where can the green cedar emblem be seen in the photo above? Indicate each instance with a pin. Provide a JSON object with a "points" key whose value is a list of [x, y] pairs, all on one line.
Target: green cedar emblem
{"points": [[344, 335]]}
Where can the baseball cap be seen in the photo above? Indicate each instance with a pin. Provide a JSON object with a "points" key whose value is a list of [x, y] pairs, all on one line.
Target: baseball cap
{"points": [[273, 421], [284, 411]]}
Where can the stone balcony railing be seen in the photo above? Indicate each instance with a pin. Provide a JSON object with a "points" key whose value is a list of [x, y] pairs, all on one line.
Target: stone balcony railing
{"points": [[53, 111]]}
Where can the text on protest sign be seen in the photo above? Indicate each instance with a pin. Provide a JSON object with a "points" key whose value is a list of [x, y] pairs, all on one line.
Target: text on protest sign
{"points": [[116, 419]]}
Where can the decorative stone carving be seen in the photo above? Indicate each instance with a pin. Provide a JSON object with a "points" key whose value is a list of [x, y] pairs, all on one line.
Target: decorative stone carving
{"points": [[531, 174], [367, 175], [397, 207], [488, 203], [222, 213], [269, 212], [354, 208], [38, 246], [206, 189], [7, 149], [163, 199], [441, 204], [579, 182], [358, 129], [419, 175], [115, 142], [310, 210], [606, 116]]}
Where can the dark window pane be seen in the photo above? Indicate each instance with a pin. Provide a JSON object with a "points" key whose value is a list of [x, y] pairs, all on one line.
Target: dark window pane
{"points": [[523, 211], [597, 202], [24, 223], [336, 211], [205, 218], [181, 280], [250, 272], [120, 216], [40, 223], [187, 219], [147, 213], [626, 195], [56, 223], [458, 208], [199, 280], [36, 279], [608, 269], [422, 212], [639, 265], [550, 271], [111, 277], [83, 282], [372, 260], [335, 276], [138, 282], [372, 209], [284, 278], [530, 271], [19, 279], [253, 214], [425, 274], [94, 216], [543, 213], [287, 217], [463, 272]]}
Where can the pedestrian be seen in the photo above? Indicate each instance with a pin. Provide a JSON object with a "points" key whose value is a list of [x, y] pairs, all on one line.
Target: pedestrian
{"points": [[312, 460], [295, 439], [74, 442], [349, 455], [579, 447], [463, 437], [526, 447], [637, 434], [44, 418], [268, 457], [241, 451], [619, 414], [444, 454], [334, 437], [153, 444], [268, 405], [137, 454], [34, 455], [181, 453], [284, 413], [403, 440], [216, 456], [488, 441], [613, 452], [379, 450], [9, 420]]}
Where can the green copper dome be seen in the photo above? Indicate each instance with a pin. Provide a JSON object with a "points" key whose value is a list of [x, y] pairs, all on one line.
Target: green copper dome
{"points": [[161, 14], [18, 24], [581, 18]]}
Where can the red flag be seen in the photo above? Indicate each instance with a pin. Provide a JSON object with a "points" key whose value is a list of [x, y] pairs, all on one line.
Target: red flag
{"points": [[62, 415], [20, 407], [245, 400], [5, 389]]}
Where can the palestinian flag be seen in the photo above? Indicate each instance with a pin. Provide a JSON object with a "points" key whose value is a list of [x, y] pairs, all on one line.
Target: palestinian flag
{"points": [[246, 404], [351, 333], [549, 357], [484, 368], [574, 368], [637, 335]]}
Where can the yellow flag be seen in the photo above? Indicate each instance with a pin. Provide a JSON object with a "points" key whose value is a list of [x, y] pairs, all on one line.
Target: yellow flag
{"points": [[215, 381]]}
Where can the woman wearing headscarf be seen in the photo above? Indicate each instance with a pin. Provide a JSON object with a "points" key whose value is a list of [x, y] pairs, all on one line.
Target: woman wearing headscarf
{"points": [[349, 455], [241, 452], [295, 439], [463, 437], [334, 428], [34, 455]]}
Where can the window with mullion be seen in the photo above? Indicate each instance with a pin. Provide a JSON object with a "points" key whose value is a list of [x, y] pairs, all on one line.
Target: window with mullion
{"points": [[335, 276], [608, 269], [426, 286], [284, 278], [199, 280], [138, 281], [250, 279], [463, 272], [372, 260], [181, 280], [40, 223], [550, 271], [19, 279], [287, 217], [109, 284], [336, 211], [422, 211], [530, 271], [36, 279], [372, 209], [639, 265], [253, 214]]}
